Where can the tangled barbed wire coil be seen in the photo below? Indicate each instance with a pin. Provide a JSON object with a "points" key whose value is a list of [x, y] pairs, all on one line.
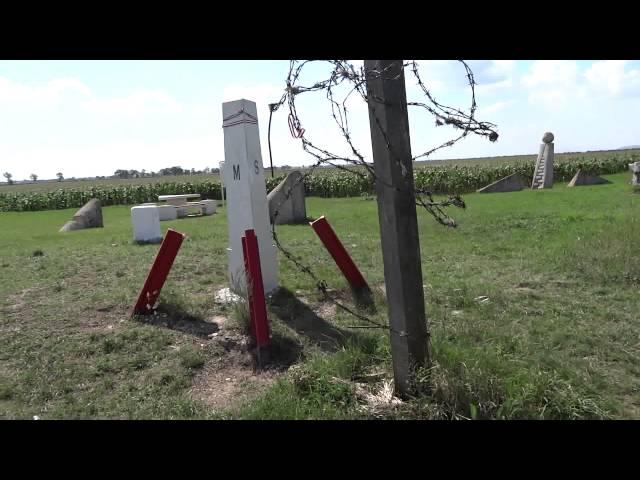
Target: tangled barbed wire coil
{"points": [[344, 73]]}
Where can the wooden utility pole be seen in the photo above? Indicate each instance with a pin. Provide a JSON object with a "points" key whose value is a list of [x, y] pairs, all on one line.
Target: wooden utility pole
{"points": [[393, 165]]}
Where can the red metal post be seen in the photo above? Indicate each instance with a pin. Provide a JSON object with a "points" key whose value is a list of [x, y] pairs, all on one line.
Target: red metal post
{"points": [[258, 307], [159, 272], [245, 254], [333, 244]]}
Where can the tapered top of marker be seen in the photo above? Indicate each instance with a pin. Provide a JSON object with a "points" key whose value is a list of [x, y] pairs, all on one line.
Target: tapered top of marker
{"points": [[238, 112]]}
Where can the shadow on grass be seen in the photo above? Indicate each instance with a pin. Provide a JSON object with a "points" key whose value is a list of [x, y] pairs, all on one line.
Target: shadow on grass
{"points": [[306, 322], [365, 300], [172, 316], [283, 352]]}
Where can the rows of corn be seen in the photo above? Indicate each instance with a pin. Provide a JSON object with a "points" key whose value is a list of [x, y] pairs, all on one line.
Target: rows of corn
{"points": [[440, 179]]}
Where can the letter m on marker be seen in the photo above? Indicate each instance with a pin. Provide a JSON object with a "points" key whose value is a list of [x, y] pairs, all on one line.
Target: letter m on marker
{"points": [[236, 172]]}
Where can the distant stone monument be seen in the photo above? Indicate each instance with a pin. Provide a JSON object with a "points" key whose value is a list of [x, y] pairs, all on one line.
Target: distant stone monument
{"points": [[543, 173], [286, 201], [582, 178], [246, 193], [512, 183], [89, 216], [635, 173]]}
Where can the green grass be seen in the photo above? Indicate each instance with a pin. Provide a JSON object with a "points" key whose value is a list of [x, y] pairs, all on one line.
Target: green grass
{"points": [[557, 338]]}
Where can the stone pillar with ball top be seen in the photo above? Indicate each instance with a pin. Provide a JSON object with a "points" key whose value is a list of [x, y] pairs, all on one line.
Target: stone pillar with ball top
{"points": [[635, 173], [543, 173]]}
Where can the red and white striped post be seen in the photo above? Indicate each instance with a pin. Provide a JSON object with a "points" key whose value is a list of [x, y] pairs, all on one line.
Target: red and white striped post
{"points": [[255, 291], [340, 255], [159, 272]]}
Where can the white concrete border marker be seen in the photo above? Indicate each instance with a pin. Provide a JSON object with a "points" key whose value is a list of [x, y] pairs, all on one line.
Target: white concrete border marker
{"points": [[243, 176]]}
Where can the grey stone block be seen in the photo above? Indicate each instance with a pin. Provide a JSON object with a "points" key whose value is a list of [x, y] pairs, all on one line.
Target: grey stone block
{"points": [[582, 178], [288, 200], [511, 183], [89, 216]]}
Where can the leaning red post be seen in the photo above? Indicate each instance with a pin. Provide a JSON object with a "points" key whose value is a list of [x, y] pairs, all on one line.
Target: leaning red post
{"points": [[340, 255], [158, 273]]}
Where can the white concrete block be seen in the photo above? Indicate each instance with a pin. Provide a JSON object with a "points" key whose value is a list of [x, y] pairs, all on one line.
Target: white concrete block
{"points": [[182, 211], [178, 199], [246, 194], [167, 212], [146, 224], [208, 207]]}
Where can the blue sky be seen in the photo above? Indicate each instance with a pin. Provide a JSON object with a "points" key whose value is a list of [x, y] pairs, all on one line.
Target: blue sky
{"points": [[87, 118]]}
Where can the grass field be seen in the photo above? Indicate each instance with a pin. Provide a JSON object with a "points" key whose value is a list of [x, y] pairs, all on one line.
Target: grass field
{"points": [[557, 338]]}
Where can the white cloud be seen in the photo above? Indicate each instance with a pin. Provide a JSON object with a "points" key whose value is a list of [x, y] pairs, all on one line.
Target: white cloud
{"points": [[141, 102], [553, 98], [551, 73], [495, 107], [492, 72], [45, 94], [611, 77], [495, 87], [557, 84], [76, 93], [104, 158], [552, 83]]}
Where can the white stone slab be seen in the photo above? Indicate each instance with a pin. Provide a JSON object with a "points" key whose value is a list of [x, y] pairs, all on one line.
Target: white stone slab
{"points": [[184, 197], [146, 224], [208, 207], [167, 212], [246, 194], [182, 211]]}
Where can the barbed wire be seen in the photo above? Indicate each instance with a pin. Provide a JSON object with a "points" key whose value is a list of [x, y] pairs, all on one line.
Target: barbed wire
{"points": [[344, 72]]}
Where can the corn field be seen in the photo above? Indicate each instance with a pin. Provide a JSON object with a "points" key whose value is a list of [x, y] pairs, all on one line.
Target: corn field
{"points": [[440, 179]]}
